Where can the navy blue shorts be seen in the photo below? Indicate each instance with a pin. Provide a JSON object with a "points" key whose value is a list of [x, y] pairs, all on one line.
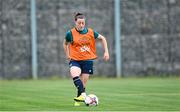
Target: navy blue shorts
{"points": [[85, 66]]}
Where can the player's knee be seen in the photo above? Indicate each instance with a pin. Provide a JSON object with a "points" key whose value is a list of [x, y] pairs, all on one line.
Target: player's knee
{"points": [[75, 71]]}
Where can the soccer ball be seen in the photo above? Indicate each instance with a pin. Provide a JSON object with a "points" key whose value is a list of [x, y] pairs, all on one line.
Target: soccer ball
{"points": [[91, 100]]}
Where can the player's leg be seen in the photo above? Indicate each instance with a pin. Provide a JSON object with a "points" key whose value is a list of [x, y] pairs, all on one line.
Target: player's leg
{"points": [[75, 72], [84, 78], [87, 70]]}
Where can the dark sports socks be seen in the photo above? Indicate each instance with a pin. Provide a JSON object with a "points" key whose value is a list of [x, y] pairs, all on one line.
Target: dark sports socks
{"points": [[79, 93], [79, 85]]}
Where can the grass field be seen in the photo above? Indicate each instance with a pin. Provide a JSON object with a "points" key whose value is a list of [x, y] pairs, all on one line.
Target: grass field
{"points": [[144, 94]]}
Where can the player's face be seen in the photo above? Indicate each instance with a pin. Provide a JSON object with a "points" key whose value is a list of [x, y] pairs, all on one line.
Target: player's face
{"points": [[80, 24]]}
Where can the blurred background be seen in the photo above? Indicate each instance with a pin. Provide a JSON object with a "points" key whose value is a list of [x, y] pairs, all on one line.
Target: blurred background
{"points": [[148, 43]]}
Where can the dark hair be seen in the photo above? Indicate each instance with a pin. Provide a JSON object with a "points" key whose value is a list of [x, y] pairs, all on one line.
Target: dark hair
{"points": [[78, 15]]}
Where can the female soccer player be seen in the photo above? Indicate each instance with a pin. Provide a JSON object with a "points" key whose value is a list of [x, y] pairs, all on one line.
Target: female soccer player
{"points": [[80, 50]]}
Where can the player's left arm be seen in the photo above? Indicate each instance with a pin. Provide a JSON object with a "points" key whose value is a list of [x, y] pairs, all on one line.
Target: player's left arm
{"points": [[105, 46]]}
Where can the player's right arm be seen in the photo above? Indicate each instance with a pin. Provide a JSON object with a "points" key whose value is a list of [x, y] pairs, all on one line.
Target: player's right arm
{"points": [[68, 39], [66, 49]]}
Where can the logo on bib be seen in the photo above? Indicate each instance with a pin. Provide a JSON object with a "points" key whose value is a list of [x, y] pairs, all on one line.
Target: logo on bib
{"points": [[84, 48]]}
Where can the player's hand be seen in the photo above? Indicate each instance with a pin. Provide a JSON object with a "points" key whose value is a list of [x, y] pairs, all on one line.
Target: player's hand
{"points": [[106, 56]]}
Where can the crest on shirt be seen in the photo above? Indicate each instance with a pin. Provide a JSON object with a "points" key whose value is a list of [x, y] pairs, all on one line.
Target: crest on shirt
{"points": [[84, 40]]}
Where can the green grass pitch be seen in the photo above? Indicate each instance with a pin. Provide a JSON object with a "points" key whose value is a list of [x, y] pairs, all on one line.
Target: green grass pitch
{"points": [[132, 94]]}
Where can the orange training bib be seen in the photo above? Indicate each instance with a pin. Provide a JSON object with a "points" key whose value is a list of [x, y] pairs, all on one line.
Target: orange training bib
{"points": [[83, 46]]}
